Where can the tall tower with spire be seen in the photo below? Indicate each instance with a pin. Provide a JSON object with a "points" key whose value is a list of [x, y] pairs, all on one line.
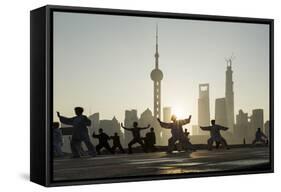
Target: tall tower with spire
{"points": [[229, 95], [156, 76]]}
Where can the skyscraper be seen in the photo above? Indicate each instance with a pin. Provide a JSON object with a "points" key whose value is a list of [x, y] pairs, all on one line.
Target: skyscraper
{"points": [[242, 127], [220, 112], [156, 76], [166, 133], [229, 96], [203, 107], [256, 122], [167, 113], [95, 120]]}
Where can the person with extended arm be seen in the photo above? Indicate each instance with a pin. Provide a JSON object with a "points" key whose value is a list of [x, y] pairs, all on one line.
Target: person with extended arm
{"points": [[79, 133], [215, 134], [136, 136], [103, 141], [176, 131]]}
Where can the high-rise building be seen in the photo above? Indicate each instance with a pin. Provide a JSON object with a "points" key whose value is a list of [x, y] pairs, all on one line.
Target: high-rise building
{"points": [[267, 128], [195, 130], [220, 112], [241, 127], [130, 117], [229, 96], [95, 120], [146, 118], [157, 76], [167, 113], [95, 124], [203, 107], [256, 122]]}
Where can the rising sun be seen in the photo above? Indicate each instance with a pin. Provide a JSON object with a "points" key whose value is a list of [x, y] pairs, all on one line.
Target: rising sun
{"points": [[179, 112]]}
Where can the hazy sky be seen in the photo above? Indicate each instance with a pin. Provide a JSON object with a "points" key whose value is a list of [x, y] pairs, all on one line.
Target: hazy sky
{"points": [[103, 63]]}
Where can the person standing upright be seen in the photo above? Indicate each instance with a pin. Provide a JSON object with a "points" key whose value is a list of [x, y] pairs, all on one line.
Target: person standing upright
{"points": [[80, 132]]}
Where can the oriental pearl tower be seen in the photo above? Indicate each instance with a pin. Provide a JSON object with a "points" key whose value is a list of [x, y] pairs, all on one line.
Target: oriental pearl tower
{"points": [[156, 76]]}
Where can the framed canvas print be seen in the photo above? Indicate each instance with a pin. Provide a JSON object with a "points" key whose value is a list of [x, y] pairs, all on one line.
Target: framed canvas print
{"points": [[122, 95]]}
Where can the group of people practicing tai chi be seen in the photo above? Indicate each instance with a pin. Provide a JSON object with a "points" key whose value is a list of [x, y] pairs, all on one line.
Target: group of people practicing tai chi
{"points": [[80, 134]]}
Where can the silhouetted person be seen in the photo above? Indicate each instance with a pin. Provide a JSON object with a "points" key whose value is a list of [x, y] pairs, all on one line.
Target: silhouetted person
{"points": [[260, 137], [103, 141], [79, 133], [176, 131], [116, 143], [188, 144], [136, 136], [57, 140], [215, 134], [150, 140]]}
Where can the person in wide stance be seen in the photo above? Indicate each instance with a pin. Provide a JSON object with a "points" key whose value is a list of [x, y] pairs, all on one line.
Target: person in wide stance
{"points": [[176, 131], [260, 137], [116, 143], [103, 141], [215, 134], [136, 136]]}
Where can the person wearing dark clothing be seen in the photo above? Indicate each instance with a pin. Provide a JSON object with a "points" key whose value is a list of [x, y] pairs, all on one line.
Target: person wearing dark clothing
{"points": [[116, 143], [136, 136], [103, 141], [80, 132], [260, 137], [176, 131], [57, 140], [150, 140], [215, 135]]}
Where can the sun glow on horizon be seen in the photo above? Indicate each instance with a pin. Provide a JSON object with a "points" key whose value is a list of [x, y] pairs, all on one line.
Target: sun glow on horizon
{"points": [[180, 112]]}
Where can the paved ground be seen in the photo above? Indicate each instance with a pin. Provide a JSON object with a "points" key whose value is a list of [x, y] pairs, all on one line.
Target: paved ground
{"points": [[140, 164]]}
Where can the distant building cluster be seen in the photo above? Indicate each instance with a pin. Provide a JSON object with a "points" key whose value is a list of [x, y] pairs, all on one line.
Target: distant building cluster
{"points": [[243, 131]]}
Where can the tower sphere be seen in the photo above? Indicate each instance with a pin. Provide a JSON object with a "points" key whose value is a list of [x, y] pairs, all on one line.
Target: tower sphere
{"points": [[156, 75]]}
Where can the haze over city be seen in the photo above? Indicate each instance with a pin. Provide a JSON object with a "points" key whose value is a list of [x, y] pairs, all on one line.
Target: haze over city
{"points": [[103, 63]]}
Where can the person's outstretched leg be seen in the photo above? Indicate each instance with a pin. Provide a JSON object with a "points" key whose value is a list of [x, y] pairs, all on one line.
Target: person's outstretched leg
{"points": [[224, 143], [98, 148], [254, 142], [90, 147], [171, 144], [139, 141], [121, 148], [130, 146], [210, 144], [74, 144], [106, 145], [113, 148], [263, 141]]}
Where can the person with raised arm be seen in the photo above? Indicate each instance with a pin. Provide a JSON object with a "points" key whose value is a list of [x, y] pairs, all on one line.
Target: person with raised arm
{"points": [[79, 133], [176, 131], [136, 136]]}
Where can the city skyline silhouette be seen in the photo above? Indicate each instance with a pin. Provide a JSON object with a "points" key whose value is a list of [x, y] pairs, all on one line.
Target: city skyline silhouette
{"points": [[108, 71]]}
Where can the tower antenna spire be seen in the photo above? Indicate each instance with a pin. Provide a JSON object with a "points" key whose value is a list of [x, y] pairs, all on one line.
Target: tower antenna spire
{"points": [[156, 53]]}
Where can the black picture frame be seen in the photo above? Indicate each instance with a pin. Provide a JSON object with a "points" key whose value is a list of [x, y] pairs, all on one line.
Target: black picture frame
{"points": [[41, 83]]}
